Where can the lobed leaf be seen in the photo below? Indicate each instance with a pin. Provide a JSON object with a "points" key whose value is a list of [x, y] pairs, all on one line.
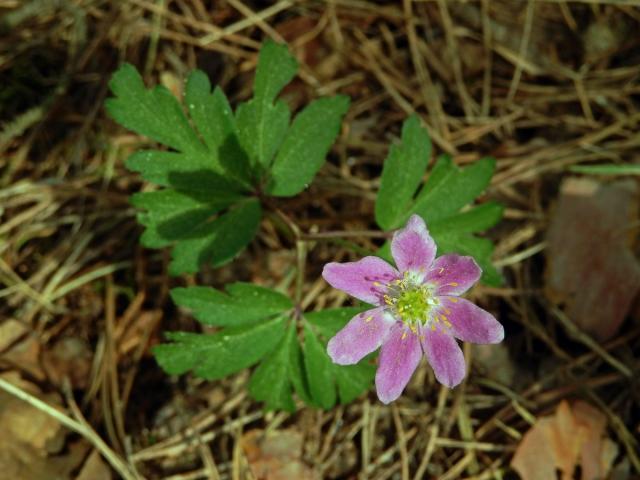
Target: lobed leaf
{"points": [[205, 213], [221, 354], [447, 190], [172, 215], [244, 303], [153, 113], [217, 241], [262, 124], [450, 188], [214, 119], [306, 145], [402, 174], [271, 382], [319, 370], [327, 381], [328, 322]]}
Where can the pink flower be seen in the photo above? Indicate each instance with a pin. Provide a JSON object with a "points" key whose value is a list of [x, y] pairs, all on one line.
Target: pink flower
{"points": [[418, 310]]}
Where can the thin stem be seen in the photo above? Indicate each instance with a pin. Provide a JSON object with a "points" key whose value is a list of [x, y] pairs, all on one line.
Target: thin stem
{"points": [[301, 247], [345, 234], [116, 462], [301, 258]]}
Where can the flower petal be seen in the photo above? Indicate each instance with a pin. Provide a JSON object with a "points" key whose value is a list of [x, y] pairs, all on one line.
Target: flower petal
{"points": [[362, 335], [444, 355], [364, 279], [453, 274], [469, 322], [399, 357], [412, 247]]}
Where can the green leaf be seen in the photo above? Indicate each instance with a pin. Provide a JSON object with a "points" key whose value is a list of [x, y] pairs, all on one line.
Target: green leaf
{"points": [[306, 145], [172, 215], [162, 167], [328, 322], [450, 188], [262, 124], [297, 372], [154, 113], [329, 381], [221, 354], [217, 241], [208, 174], [244, 303], [401, 174], [211, 113], [270, 382], [352, 380], [479, 248], [475, 219], [214, 119], [319, 370], [276, 68]]}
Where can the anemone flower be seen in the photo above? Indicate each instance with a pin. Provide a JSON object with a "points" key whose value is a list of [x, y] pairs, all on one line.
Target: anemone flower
{"points": [[417, 309]]}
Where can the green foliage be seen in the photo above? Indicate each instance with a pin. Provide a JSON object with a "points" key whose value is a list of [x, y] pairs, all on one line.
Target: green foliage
{"points": [[257, 328], [306, 145], [220, 354], [442, 200], [329, 382], [262, 123], [271, 382], [402, 174], [254, 318], [243, 304], [218, 162]]}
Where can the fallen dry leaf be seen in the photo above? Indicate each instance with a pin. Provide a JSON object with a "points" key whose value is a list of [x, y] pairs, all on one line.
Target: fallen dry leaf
{"points": [[10, 331], [30, 440], [26, 356], [572, 437], [21, 422], [69, 357], [94, 468], [591, 268], [276, 455]]}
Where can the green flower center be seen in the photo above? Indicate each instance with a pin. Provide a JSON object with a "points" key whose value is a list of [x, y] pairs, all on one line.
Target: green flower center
{"points": [[411, 301]]}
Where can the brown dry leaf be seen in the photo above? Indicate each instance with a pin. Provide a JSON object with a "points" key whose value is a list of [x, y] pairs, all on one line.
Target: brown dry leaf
{"points": [[69, 357], [26, 356], [276, 455], [94, 468], [573, 437], [591, 267], [494, 362], [21, 422], [10, 331], [30, 437]]}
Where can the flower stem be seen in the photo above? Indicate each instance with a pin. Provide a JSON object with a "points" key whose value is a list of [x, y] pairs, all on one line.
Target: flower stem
{"points": [[331, 235]]}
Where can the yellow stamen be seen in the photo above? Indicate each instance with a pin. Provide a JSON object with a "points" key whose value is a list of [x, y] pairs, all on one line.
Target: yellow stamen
{"points": [[441, 270], [404, 335], [377, 284], [453, 284], [369, 318]]}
